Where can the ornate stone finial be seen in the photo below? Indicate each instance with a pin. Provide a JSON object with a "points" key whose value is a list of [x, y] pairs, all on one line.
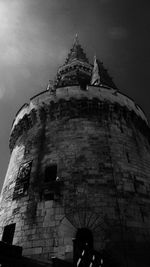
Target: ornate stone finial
{"points": [[51, 87], [95, 73], [76, 40]]}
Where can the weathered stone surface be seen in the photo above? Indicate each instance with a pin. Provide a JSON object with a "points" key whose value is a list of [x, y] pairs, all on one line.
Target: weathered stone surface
{"points": [[100, 144]]}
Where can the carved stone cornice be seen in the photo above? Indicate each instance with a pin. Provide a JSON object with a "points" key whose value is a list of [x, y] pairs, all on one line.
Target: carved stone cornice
{"points": [[84, 107]]}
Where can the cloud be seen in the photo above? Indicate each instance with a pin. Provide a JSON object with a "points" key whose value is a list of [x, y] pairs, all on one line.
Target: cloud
{"points": [[26, 38], [20, 34], [118, 33], [28, 42]]}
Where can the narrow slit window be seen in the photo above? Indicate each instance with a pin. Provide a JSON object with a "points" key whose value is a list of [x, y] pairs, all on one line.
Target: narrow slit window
{"points": [[51, 173], [121, 128], [8, 233], [128, 158]]}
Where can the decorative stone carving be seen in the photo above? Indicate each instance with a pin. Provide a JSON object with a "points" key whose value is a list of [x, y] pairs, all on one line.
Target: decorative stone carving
{"points": [[22, 182]]}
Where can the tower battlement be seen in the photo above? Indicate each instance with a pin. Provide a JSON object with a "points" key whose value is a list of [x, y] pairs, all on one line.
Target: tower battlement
{"points": [[72, 101]]}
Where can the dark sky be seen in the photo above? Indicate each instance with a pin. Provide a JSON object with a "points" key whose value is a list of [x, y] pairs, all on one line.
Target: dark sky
{"points": [[35, 38]]}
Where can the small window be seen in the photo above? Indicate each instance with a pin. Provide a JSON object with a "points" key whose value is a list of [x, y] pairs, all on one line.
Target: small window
{"points": [[83, 86], [49, 196], [51, 173], [8, 233], [128, 158], [121, 128]]}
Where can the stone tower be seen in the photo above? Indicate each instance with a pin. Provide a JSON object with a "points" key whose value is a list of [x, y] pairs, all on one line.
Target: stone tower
{"points": [[79, 173]]}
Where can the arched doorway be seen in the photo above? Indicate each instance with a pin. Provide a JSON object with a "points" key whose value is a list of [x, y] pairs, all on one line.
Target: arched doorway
{"points": [[82, 243]]}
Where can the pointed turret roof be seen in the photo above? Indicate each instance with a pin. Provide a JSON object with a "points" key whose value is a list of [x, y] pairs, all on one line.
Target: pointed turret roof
{"points": [[76, 52], [105, 78], [76, 70]]}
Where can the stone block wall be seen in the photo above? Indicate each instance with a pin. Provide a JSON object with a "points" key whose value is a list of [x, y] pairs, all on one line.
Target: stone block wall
{"points": [[102, 154]]}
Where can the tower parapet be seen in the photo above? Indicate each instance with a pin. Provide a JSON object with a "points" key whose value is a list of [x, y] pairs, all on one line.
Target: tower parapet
{"points": [[94, 98]]}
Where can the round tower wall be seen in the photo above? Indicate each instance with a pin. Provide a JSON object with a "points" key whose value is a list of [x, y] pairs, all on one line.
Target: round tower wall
{"points": [[81, 162]]}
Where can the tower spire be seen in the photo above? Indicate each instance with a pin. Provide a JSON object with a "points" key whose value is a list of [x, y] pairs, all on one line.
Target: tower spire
{"points": [[77, 69], [76, 52]]}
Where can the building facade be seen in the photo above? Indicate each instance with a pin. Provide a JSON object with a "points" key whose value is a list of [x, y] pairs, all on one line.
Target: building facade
{"points": [[79, 173]]}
